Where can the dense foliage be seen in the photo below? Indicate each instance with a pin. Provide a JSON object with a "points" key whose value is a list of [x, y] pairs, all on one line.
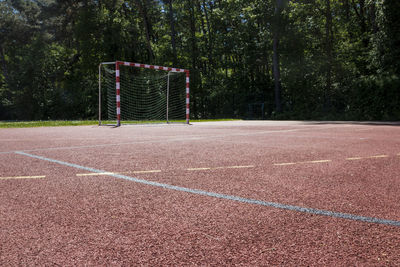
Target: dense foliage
{"points": [[303, 59]]}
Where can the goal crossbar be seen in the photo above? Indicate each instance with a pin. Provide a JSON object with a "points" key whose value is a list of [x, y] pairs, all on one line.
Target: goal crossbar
{"points": [[138, 65]]}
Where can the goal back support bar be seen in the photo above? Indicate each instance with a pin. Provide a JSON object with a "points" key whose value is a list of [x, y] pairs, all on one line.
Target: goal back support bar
{"points": [[139, 65]]}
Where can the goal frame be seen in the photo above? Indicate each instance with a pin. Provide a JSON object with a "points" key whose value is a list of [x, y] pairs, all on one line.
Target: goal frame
{"points": [[119, 63]]}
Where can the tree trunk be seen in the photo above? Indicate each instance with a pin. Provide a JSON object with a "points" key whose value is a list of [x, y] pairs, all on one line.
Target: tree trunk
{"points": [[4, 66], [329, 56], [372, 12], [147, 26], [362, 18], [275, 57], [210, 39], [203, 63], [196, 82], [173, 33], [346, 5], [208, 30]]}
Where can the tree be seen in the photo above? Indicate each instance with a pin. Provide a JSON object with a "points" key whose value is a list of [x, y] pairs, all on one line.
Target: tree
{"points": [[275, 59], [308, 59]]}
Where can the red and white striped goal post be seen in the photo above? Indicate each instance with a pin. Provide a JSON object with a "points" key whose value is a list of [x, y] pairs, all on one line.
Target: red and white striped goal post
{"points": [[146, 66]]}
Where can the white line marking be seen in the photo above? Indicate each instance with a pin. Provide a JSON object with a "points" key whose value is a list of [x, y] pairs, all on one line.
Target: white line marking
{"points": [[303, 162], [355, 158], [285, 164], [370, 157], [317, 161], [239, 167], [378, 156], [219, 168], [22, 177], [94, 173], [198, 169], [111, 173], [149, 171], [228, 197]]}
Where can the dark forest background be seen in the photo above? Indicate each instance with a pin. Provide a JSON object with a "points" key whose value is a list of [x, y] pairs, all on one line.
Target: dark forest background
{"points": [[304, 59]]}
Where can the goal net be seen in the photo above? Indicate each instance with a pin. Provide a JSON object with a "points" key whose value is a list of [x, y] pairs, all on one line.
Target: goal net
{"points": [[132, 92]]}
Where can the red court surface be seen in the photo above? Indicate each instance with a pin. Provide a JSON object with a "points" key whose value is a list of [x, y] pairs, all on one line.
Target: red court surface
{"points": [[252, 193]]}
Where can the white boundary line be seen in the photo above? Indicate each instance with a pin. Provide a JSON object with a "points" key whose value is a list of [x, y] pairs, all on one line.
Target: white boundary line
{"points": [[226, 197]]}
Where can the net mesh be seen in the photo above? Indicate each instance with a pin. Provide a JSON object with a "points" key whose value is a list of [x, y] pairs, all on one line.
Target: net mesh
{"points": [[146, 95]]}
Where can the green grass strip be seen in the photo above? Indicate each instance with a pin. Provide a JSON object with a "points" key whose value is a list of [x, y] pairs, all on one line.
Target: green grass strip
{"points": [[30, 124]]}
